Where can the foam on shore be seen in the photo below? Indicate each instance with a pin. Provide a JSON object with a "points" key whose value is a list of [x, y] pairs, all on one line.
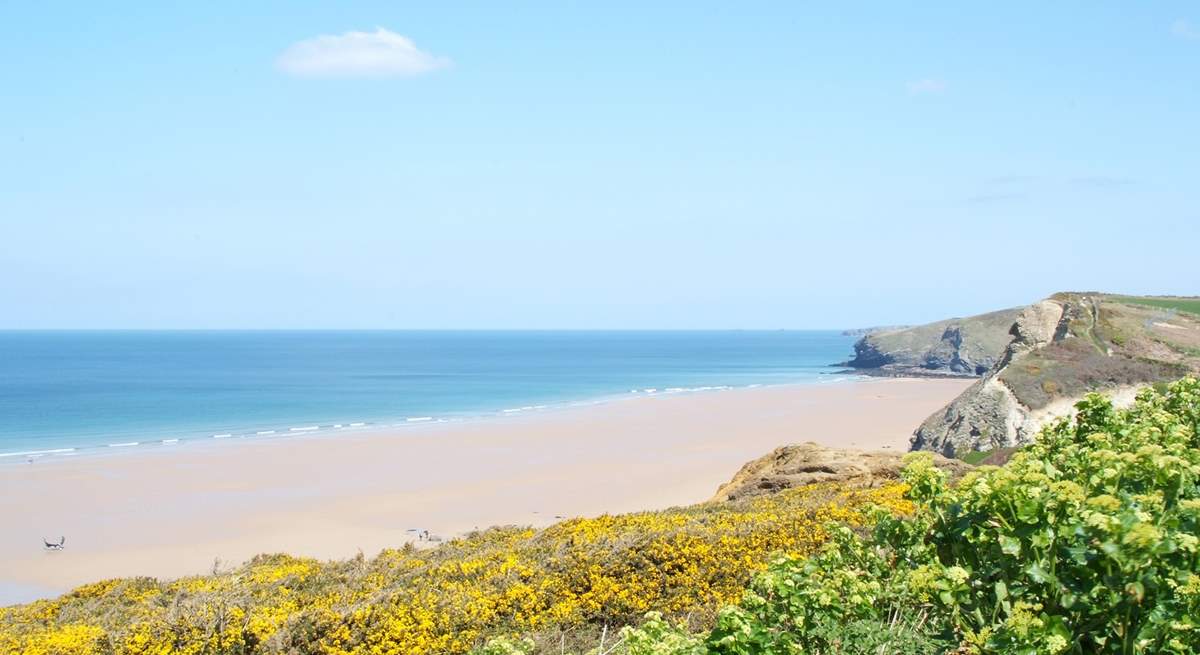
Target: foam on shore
{"points": [[357, 425], [39, 453]]}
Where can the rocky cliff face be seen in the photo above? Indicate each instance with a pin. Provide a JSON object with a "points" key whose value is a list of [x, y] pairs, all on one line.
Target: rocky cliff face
{"points": [[1061, 349], [797, 465], [959, 347]]}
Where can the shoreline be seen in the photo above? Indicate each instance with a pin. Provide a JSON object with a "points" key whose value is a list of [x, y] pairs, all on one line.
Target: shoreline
{"points": [[137, 443], [173, 512]]}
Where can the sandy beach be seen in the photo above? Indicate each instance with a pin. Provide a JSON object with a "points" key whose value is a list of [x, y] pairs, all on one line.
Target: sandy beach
{"points": [[176, 510]]}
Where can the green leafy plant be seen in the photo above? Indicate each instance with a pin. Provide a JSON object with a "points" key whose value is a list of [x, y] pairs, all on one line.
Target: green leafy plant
{"points": [[1084, 542]]}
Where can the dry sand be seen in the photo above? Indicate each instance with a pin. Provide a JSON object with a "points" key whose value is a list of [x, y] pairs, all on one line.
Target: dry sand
{"points": [[175, 510]]}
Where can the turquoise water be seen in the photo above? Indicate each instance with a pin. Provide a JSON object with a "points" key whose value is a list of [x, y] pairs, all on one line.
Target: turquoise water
{"points": [[73, 392]]}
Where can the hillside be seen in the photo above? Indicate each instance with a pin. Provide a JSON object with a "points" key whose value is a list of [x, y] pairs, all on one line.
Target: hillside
{"points": [[958, 346], [560, 585], [1083, 543], [1060, 349]]}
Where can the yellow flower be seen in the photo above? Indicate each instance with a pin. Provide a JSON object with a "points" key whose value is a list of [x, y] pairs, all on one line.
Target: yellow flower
{"points": [[606, 569]]}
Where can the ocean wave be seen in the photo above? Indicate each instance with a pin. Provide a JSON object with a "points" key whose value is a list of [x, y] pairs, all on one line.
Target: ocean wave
{"points": [[39, 453], [410, 420]]}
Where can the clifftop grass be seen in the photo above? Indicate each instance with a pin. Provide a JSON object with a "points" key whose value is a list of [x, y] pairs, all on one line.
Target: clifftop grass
{"points": [[1110, 341], [1182, 304]]}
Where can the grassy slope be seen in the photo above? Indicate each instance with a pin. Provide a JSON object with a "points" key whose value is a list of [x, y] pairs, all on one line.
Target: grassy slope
{"points": [[564, 583], [1112, 341], [1182, 304]]}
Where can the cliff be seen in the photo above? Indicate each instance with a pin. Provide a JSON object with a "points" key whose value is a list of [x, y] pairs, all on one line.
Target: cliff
{"points": [[958, 347], [1059, 350]]}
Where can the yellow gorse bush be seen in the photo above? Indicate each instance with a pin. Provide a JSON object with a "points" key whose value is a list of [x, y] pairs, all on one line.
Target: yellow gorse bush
{"points": [[607, 570]]}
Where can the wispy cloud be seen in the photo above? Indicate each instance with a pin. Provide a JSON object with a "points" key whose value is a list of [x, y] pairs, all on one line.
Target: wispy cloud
{"points": [[995, 198], [1012, 188], [1185, 29], [1101, 181], [1009, 180], [927, 86], [381, 53]]}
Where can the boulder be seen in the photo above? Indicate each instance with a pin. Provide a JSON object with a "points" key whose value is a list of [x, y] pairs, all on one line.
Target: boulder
{"points": [[797, 465]]}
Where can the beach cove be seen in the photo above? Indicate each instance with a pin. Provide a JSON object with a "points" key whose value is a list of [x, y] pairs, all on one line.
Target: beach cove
{"points": [[182, 511]]}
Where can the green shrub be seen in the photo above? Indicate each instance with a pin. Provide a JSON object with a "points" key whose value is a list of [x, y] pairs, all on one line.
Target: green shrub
{"points": [[975, 457], [1084, 542]]}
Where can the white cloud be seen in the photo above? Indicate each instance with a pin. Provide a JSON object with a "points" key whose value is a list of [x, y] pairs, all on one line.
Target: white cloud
{"points": [[381, 53], [1185, 30], [927, 85]]}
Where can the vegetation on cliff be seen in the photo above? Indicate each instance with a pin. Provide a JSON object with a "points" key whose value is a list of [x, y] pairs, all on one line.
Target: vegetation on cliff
{"points": [[1177, 303], [1061, 349], [1084, 542], [562, 585]]}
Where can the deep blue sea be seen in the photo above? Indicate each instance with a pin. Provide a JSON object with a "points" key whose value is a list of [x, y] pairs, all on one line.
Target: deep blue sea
{"points": [[78, 392]]}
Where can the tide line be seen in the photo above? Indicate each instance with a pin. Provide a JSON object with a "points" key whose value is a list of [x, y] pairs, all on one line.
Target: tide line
{"points": [[31, 453]]}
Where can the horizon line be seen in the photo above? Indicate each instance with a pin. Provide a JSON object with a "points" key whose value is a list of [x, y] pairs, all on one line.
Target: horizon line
{"points": [[428, 329]]}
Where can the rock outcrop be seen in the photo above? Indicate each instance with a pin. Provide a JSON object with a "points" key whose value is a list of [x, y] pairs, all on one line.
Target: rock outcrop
{"points": [[967, 347], [1061, 349], [808, 463]]}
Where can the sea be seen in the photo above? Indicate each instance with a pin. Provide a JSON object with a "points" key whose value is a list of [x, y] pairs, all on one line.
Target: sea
{"points": [[67, 393]]}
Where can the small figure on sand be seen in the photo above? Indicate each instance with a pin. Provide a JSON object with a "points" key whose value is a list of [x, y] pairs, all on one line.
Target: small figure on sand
{"points": [[62, 541]]}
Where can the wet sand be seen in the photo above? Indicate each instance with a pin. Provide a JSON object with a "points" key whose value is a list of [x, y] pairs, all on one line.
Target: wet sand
{"points": [[177, 510]]}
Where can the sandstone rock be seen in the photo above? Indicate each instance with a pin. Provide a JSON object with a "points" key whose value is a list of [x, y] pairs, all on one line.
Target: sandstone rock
{"points": [[809, 463]]}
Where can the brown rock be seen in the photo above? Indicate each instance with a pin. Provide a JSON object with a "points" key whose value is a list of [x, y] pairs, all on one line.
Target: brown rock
{"points": [[809, 463]]}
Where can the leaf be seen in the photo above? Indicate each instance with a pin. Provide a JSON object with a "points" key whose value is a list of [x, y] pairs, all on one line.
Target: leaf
{"points": [[1137, 590], [1078, 554], [1039, 574], [1010, 545], [1001, 590]]}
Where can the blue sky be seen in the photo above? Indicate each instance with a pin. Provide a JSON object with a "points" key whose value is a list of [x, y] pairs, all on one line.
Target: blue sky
{"points": [[600, 165]]}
